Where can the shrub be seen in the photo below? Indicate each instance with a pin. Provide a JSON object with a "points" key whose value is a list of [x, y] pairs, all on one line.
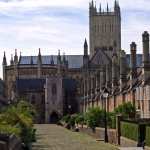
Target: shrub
{"points": [[18, 119], [80, 119], [94, 117], [66, 118], [8, 130], [126, 109], [129, 130], [72, 120], [147, 136], [112, 120]]}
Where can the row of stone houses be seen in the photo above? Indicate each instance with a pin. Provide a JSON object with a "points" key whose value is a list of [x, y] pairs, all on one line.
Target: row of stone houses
{"points": [[126, 77]]}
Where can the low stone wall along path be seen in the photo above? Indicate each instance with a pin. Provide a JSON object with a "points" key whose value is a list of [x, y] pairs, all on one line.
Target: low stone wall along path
{"points": [[53, 137]]}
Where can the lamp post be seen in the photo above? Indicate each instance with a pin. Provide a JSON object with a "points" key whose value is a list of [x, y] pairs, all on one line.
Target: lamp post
{"points": [[105, 95], [69, 108]]}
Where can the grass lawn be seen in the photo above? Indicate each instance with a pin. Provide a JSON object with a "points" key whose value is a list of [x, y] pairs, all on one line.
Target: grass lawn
{"points": [[52, 137]]}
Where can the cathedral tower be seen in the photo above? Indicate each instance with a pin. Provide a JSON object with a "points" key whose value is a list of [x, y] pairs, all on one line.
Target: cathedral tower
{"points": [[104, 27]]}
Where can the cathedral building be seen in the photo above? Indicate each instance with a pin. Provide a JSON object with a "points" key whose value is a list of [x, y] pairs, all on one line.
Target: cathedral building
{"points": [[51, 83], [104, 28], [62, 84]]}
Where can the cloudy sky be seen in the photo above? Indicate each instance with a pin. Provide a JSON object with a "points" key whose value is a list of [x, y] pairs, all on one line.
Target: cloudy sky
{"points": [[62, 24]]}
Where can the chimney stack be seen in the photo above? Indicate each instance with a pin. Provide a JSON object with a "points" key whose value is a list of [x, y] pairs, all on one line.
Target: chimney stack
{"points": [[123, 68], [146, 63], [133, 62], [145, 37]]}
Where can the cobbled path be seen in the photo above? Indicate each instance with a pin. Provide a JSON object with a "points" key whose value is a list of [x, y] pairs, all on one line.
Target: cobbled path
{"points": [[52, 137]]}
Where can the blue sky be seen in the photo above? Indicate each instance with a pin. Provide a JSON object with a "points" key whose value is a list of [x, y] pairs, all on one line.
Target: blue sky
{"points": [[62, 24]]}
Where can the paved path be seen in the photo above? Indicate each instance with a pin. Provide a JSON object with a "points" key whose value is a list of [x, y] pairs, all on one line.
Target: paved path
{"points": [[52, 137]]}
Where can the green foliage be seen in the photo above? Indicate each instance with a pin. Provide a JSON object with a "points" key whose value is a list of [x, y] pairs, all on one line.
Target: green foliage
{"points": [[94, 117], [129, 130], [126, 109], [18, 119], [8, 129], [147, 136], [112, 120], [66, 118], [72, 120], [80, 119]]}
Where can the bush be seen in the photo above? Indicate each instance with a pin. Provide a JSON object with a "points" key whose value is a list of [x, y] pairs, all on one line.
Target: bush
{"points": [[18, 119], [129, 130], [112, 120], [80, 119], [94, 117], [147, 140], [70, 120], [126, 109], [66, 118]]}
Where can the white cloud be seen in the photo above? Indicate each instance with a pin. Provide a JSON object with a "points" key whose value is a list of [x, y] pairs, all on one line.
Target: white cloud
{"points": [[62, 24]]}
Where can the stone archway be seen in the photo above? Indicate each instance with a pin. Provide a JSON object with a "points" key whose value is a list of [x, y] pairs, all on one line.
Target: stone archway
{"points": [[54, 118]]}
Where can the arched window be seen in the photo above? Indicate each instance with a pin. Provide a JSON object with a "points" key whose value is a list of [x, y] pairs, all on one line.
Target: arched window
{"points": [[54, 89]]}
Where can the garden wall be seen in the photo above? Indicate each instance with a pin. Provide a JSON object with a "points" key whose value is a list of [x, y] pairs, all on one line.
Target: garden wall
{"points": [[10, 143]]}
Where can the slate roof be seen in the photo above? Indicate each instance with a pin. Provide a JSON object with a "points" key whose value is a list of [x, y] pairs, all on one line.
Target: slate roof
{"points": [[23, 85], [74, 61], [101, 57]]}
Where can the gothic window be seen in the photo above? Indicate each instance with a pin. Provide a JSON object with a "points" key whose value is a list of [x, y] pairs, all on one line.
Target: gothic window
{"points": [[54, 89]]}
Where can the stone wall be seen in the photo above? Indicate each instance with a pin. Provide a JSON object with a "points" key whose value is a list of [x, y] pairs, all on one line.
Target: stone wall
{"points": [[10, 143]]}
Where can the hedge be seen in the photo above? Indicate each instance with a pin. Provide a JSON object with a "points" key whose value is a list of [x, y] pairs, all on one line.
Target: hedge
{"points": [[147, 139], [129, 130]]}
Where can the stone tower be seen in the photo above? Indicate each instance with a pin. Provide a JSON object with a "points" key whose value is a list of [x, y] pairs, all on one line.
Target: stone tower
{"points": [[104, 28]]}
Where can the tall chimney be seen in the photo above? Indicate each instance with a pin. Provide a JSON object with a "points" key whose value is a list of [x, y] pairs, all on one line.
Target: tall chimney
{"points": [[133, 60], [123, 69], [114, 70], [146, 63], [145, 37]]}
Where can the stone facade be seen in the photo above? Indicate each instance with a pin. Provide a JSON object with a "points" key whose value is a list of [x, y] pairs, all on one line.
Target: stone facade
{"points": [[126, 80], [53, 99], [126, 77], [79, 81], [105, 28], [32, 78]]}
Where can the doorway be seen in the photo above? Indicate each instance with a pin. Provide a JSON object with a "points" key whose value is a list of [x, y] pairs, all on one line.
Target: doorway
{"points": [[54, 118]]}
